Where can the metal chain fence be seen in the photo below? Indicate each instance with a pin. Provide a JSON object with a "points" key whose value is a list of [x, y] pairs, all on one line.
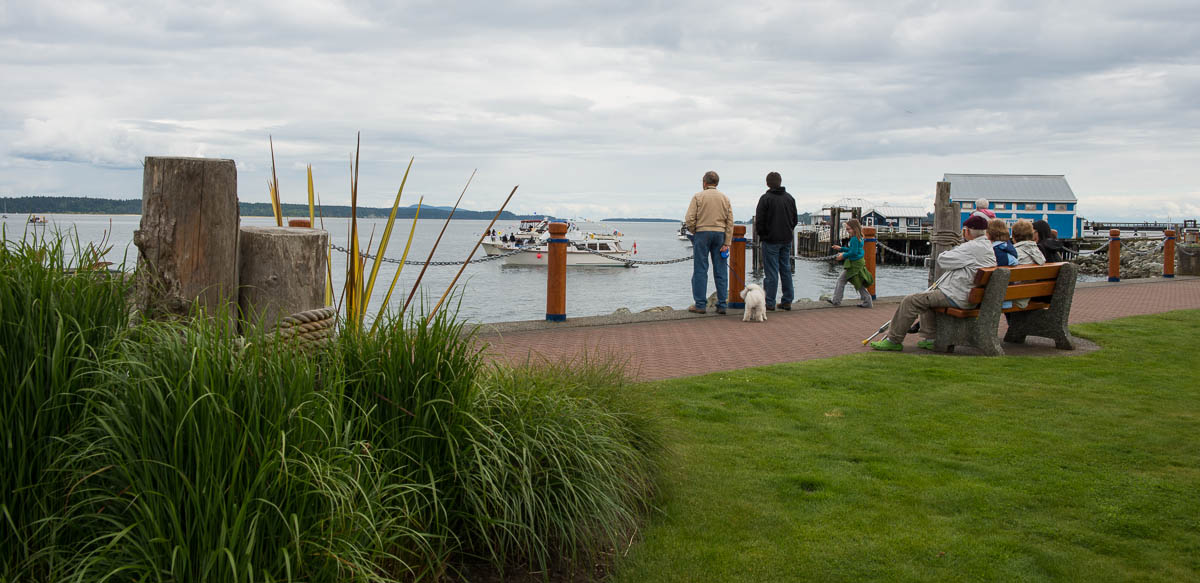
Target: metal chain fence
{"points": [[901, 253], [434, 263]]}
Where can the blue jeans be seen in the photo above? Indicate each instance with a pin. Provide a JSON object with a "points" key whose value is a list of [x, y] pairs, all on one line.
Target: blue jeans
{"points": [[776, 262], [708, 244]]}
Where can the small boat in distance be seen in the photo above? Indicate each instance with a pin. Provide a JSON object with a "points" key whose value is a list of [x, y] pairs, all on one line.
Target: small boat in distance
{"points": [[684, 235], [36, 220], [590, 249]]}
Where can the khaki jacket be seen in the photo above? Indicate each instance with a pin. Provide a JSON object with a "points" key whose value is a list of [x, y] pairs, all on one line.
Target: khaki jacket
{"points": [[710, 211]]}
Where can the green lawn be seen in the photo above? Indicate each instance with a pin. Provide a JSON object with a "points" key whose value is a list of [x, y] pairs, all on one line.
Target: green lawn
{"points": [[919, 467]]}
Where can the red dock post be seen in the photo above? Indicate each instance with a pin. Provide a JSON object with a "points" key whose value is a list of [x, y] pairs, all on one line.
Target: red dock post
{"points": [[737, 267], [1114, 255], [556, 273], [869, 242], [1169, 253]]}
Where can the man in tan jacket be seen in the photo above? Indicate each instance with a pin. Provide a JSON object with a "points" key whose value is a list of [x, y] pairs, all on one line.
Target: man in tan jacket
{"points": [[710, 217]]}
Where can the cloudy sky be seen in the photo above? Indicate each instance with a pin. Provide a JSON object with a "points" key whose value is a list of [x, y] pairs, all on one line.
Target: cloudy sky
{"points": [[602, 109]]}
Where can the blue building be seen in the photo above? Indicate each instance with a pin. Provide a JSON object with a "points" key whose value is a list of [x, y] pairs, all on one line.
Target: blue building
{"points": [[1019, 196]]}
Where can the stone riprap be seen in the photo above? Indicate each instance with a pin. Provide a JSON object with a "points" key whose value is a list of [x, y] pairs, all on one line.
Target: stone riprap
{"points": [[1138, 259]]}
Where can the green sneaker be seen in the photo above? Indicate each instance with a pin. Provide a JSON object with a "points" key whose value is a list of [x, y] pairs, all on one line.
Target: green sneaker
{"points": [[887, 344], [926, 344]]}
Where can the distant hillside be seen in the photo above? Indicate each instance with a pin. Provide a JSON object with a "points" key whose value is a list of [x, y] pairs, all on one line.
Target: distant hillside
{"points": [[24, 205], [640, 220]]}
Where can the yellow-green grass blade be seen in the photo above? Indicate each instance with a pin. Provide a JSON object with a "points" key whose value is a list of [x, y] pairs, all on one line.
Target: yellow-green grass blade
{"points": [[275, 187], [387, 235], [467, 261], [311, 210], [400, 267]]}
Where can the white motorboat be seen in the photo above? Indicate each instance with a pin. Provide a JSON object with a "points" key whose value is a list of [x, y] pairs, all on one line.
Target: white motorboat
{"points": [[683, 232], [591, 249]]}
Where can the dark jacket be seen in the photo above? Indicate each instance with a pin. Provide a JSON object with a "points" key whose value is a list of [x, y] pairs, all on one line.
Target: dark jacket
{"points": [[775, 217], [1006, 253], [1051, 249]]}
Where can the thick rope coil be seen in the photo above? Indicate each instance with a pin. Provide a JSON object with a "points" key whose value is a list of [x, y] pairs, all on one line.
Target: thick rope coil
{"points": [[310, 328]]}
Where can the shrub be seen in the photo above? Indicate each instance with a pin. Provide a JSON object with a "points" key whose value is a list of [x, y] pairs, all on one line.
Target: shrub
{"points": [[554, 471], [213, 458], [56, 317]]}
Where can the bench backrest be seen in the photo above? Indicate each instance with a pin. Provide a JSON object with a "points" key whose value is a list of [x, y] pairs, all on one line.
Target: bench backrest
{"points": [[1025, 281]]}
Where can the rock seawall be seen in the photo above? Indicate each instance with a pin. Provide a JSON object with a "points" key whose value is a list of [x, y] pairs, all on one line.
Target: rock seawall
{"points": [[1138, 259]]}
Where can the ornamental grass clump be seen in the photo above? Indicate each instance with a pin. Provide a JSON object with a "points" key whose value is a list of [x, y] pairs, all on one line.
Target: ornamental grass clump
{"points": [[56, 316], [408, 392], [209, 457], [554, 474]]}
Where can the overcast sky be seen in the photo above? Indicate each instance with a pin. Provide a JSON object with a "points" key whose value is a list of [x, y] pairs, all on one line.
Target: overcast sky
{"points": [[603, 109]]}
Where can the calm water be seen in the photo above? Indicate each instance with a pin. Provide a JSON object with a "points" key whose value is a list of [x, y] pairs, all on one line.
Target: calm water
{"points": [[493, 292]]}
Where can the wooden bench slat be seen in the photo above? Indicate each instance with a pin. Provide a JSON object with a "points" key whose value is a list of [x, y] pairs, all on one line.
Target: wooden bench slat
{"points": [[1017, 291], [961, 313], [1025, 272]]}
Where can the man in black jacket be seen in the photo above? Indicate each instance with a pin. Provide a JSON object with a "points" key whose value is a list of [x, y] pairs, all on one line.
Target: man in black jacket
{"points": [[774, 223]]}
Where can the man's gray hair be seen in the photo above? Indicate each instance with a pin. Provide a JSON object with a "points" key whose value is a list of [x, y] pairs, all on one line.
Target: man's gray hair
{"points": [[711, 178], [977, 233]]}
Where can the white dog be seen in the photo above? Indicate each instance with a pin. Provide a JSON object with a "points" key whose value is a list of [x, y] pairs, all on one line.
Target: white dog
{"points": [[756, 303]]}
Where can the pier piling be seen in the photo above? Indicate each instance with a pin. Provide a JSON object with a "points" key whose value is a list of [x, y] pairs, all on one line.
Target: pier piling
{"points": [[1114, 255], [556, 273], [1169, 253], [737, 267], [281, 272], [188, 237]]}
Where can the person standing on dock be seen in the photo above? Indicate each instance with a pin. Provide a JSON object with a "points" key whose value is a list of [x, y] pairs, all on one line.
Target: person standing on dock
{"points": [[710, 217], [774, 223]]}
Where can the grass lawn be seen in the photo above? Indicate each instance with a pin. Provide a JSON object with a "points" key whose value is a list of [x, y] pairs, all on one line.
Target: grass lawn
{"points": [[920, 467]]}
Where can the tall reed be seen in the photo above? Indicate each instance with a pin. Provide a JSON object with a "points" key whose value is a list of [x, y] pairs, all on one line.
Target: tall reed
{"points": [[408, 393], [215, 458], [554, 471], [56, 317]]}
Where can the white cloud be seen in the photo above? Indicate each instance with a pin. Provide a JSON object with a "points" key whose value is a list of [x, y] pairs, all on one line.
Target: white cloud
{"points": [[626, 104]]}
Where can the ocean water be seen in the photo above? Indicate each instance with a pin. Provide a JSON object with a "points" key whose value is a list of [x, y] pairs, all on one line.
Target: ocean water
{"points": [[494, 292]]}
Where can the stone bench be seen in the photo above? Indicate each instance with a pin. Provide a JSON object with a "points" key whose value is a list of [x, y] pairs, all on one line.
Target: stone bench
{"points": [[1049, 288]]}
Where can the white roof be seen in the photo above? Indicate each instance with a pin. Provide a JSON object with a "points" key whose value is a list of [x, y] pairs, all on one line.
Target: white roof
{"points": [[1010, 187], [896, 212]]}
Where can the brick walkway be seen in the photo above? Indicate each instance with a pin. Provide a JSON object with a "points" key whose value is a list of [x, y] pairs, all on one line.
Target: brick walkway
{"points": [[703, 344]]}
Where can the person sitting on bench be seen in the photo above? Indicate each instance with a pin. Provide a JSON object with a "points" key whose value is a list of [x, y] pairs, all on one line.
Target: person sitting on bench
{"points": [[960, 265]]}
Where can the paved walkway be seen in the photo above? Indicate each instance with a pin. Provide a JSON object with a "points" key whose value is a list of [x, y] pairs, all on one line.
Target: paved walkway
{"points": [[681, 344]]}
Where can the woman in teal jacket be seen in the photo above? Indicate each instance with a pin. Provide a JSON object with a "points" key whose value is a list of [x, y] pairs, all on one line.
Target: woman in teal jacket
{"points": [[854, 267]]}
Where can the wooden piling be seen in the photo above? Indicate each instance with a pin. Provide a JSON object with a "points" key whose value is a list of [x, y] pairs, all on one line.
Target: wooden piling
{"points": [[281, 272], [188, 238], [869, 245], [1169, 253], [1114, 255], [947, 228], [556, 273], [737, 267]]}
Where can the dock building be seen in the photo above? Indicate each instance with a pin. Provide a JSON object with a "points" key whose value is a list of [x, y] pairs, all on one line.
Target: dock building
{"points": [[1020, 196]]}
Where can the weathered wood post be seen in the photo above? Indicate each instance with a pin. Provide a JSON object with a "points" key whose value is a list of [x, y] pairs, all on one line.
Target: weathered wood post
{"points": [[869, 242], [835, 229], [947, 228], [556, 273], [737, 267], [1114, 255], [1169, 253], [188, 237], [282, 272]]}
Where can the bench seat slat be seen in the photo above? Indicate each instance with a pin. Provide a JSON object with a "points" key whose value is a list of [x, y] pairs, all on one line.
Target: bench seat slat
{"points": [[1020, 272], [961, 313], [1017, 291]]}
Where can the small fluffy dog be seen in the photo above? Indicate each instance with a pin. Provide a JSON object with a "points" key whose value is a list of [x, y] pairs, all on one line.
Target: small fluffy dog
{"points": [[756, 303]]}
